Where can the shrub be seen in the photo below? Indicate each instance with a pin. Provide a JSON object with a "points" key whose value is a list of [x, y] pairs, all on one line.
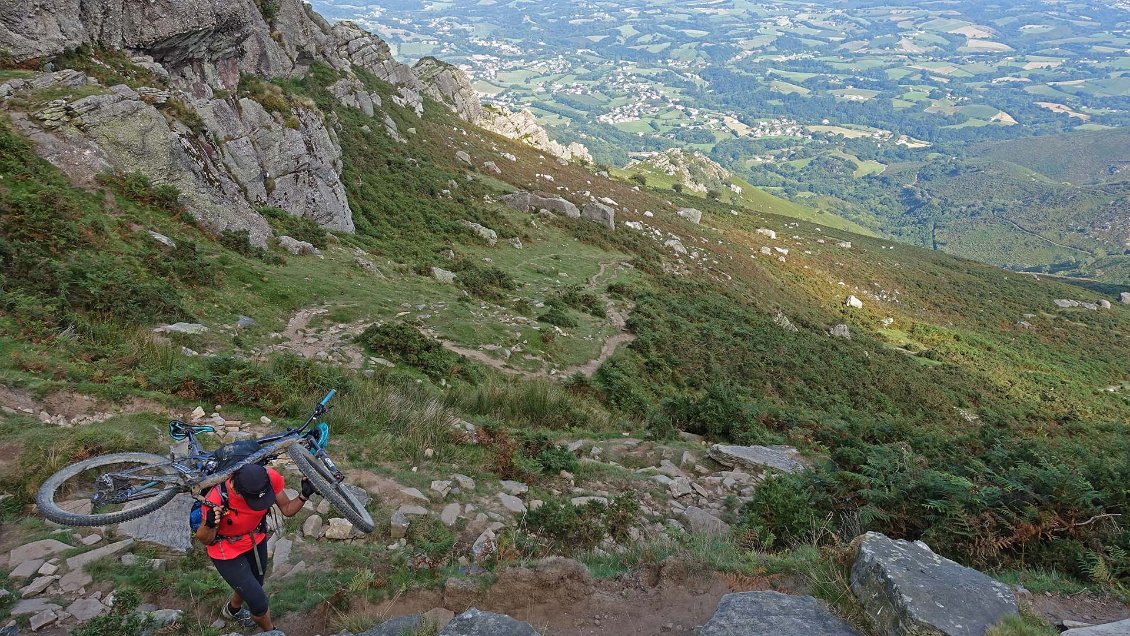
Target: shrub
{"points": [[176, 109], [555, 459], [781, 511], [137, 187], [639, 178], [557, 317], [298, 227], [404, 342], [570, 528], [482, 282]]}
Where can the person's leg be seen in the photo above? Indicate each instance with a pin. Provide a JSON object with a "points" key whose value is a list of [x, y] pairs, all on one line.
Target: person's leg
{"points": [[259, 571], [240, 573]]}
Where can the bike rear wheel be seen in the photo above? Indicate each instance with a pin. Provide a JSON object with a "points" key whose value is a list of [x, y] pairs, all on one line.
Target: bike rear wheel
{"points": [[108, 489], [339, 497]]}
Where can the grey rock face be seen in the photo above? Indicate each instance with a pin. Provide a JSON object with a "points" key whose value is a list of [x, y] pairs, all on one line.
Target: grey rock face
{"points": [[782, 458], [527, 201], [691, 214], [164, 526], [699, 521], [600, 213], [351, 92], [1121, 628], [449, 86], [1124, 298], [782, 321], [396, 627], [908, 590], [443, 276], [840, 331], [474, 622], [773, 614]]}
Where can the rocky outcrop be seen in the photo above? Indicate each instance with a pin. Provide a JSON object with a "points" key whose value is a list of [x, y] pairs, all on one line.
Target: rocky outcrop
{"points": [[773, 614], [783, 458], [475, 622], [354, 46], [523, 126], [449, 85], [696, 171], [910, 591], [529, 201]]}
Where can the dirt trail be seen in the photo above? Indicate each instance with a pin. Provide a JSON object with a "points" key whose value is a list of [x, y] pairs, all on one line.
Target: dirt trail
{"points": [[617, 316], [300, 339]]}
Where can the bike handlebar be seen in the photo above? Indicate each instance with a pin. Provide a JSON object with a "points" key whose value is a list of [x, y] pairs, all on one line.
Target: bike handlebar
{"points": [[329, 396]]}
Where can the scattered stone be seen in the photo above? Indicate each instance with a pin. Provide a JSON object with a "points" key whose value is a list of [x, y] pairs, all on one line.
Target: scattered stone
{"points": [[773, 614], [90, 539], [28, 568], [464, 158], [441, 488], [37, 586], [339, 529], [782, 458], [312, 527], [516, 243], [265, 421], [907, 589], [853, 302], [475, 622], [514, 487], [840, 331], [767, 232], [31, 606], [79, 561], [48, 568], [74, 581], [165, 617], [443, 275], [193, 329], [162, 239], [782, 321], [481, 231], [491, 166], [244, 322], [1065, 303], [1124, 298], [1121, 628], [397, 626], [465, 482], [512, 503], [42, 619], [450, 514], [691, 214], [297, 247], [414, 493], [525, 201], [680, 487], [85, 609], [699, 521]]}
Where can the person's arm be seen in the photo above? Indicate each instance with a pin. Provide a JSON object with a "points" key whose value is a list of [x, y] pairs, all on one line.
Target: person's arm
{"points": [[206, 533], [290, 507]]}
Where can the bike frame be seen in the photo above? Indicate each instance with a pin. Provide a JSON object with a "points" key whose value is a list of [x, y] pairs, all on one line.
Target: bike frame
{"points": [[195, 468]]}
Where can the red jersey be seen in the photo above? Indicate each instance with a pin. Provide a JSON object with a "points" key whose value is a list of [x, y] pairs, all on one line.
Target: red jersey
{"points": [[239, 521]]}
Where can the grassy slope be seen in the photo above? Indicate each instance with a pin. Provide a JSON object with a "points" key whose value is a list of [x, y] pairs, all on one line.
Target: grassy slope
{"points": [[1079, 158], [883, 407]]}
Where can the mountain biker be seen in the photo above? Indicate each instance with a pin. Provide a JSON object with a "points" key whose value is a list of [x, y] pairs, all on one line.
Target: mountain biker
{"points": [[237, 540]]}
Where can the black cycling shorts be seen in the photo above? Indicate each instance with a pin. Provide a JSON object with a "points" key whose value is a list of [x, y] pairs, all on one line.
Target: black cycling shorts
{"points": [[244, 576]]}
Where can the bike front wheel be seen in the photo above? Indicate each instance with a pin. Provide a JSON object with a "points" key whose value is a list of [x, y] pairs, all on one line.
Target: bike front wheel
{"points": [[108, 489], [334, 491]]}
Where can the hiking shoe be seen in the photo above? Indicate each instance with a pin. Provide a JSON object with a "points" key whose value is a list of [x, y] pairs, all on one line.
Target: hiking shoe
{"points": [[243, 616]]}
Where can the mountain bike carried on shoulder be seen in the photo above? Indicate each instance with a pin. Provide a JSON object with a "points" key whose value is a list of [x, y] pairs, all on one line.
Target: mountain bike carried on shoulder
{"points": [[117, 487]]}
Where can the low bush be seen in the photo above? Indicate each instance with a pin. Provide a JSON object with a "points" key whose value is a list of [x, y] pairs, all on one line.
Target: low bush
{"points": [[780, 513], [405, 342], [557, 317], [482, 282], [298, 227], [564, 527]]}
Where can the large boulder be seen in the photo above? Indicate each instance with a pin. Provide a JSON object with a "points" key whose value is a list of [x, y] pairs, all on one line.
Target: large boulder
{"points": [[693, 215], [527, 201], [165, 526], [1121, 628], [910, 591], [475, 622], [1124, 298], [783, 458], [773, 614], [699, 521], [600, 213], [396, 626]]}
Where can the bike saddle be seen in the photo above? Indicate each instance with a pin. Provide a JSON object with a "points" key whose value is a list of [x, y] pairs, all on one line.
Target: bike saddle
{"points": [[178, 430]]}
